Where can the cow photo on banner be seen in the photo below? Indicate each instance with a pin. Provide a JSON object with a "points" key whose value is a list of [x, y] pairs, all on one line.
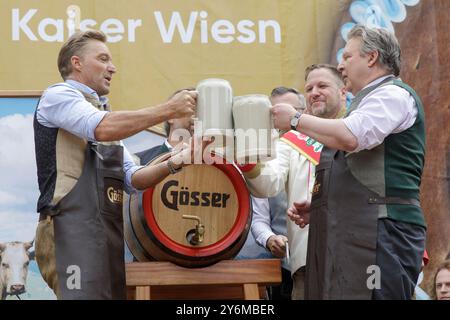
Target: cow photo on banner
{"points": [[19, 274]]}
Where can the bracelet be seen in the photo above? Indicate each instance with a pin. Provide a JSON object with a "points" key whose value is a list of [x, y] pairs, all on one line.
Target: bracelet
{"points": [[171, 167]]}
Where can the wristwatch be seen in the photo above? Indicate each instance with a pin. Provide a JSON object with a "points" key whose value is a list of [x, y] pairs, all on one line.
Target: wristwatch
{"points": [[295, 120], [171, 167]]}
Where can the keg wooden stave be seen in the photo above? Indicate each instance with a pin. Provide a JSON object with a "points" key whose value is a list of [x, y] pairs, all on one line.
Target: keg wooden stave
{"points": [[155, 229]]}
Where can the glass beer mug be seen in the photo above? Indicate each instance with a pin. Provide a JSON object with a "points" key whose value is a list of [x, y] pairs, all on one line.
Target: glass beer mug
{"points": [[214, 115], [253, 128]]}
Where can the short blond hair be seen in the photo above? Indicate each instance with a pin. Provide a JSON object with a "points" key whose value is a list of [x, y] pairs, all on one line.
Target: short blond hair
{"points": [[334, 71], [74, 46]]}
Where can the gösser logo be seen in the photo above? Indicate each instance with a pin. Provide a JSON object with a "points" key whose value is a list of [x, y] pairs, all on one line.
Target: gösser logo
{"points": [[193, 198], [115, 196]]}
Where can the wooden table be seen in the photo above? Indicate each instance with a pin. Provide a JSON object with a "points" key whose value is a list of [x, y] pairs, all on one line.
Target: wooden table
{"points": [[227, 279]]}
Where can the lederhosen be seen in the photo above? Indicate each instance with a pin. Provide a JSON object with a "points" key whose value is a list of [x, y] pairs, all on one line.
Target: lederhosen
{"points": [[345, 231], [88, 228]]}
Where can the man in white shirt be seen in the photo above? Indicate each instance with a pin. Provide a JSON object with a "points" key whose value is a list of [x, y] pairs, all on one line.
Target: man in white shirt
{"points": [[83, 168], [178, 132], [367, 230], [269, 222], [292, 170]]}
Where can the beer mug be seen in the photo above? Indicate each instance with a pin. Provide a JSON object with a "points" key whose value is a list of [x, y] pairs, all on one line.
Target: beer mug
{"points": [[214, 113], [253, 129], [214, 105]]}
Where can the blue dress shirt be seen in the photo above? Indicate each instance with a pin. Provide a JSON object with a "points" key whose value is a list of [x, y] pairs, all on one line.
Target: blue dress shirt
{"points": [[62, 105]]}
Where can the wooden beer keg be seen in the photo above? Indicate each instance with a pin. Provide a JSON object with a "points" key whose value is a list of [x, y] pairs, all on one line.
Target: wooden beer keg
{"points": [[193, 218]]}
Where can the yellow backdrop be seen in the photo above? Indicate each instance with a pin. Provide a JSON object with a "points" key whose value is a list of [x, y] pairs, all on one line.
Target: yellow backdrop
{"points": [[162, 45]]}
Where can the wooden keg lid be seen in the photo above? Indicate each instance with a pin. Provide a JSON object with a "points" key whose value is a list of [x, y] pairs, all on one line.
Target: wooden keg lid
{"points": [[216, 194]]}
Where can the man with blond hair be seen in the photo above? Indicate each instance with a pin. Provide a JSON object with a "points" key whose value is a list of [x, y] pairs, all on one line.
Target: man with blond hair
{"points": [[82, 169]]}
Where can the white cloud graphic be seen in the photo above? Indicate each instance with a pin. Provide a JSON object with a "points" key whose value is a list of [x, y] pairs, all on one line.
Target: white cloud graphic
{"points": [[8, 198], [17, 161], [18, 188], [17, 225]]}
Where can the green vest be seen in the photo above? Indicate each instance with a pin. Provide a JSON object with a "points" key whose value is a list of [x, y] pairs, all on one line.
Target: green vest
{"points": [[394, 168]]}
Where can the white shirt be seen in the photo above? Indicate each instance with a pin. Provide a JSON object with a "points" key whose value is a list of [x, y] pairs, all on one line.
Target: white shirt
{"points": [[292, 172], [387, 109], [261, 228]]}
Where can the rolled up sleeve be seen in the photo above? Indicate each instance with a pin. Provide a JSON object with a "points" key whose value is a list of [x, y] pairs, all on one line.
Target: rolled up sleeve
{"points": [[261, 228], [129, 168], [64, 107], [384, 111]]}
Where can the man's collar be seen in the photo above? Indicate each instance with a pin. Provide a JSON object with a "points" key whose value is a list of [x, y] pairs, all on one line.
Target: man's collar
{"points": [[84, 88], [377, 81]]}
